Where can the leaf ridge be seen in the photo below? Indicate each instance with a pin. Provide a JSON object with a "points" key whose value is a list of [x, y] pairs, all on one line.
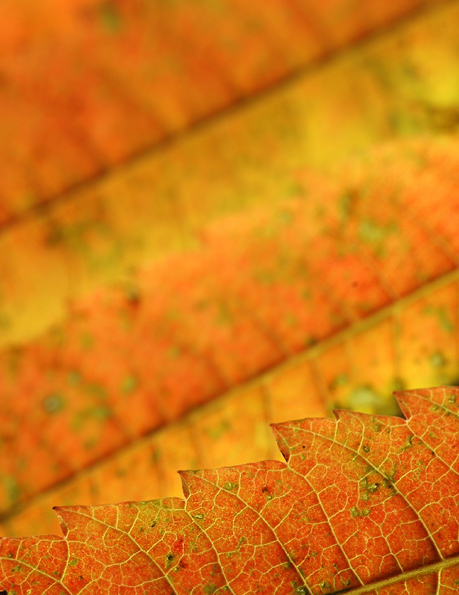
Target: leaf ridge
{"points": [[276, 539], [388, 479], [330, 525], [338, 542], [79, 512], [222, 570], [44, 574]]}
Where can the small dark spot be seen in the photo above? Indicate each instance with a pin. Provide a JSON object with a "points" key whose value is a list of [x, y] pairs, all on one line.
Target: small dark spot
{"points": [[266, 492], [169, 559], [366, 449], [153, 524], [311, 341], [133, 297]]}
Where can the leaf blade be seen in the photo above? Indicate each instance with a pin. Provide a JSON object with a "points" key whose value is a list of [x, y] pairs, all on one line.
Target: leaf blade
{"points": [[363, 504]]}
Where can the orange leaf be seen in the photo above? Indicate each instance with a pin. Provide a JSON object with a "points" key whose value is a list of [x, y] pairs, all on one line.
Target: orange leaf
{"points": [[364, 504]]}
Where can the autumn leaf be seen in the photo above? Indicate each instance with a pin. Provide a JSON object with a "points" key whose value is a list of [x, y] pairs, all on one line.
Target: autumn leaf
{"points": [[79, 58], [264, 287], [364, 504]]}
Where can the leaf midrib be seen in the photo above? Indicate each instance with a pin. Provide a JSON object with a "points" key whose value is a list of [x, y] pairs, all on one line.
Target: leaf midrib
{"points": [[415, 573]]}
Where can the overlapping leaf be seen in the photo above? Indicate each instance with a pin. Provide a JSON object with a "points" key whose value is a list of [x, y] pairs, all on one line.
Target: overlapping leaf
{"points": [[364, 504], [88, 53]]}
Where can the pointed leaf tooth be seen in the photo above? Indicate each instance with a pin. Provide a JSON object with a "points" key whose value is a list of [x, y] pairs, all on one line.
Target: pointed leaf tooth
{"points": [[190, 486], [432, 399], [184, 482], [435, 420], [289, 435], [409, 403], [61, 519], [281, 441]]}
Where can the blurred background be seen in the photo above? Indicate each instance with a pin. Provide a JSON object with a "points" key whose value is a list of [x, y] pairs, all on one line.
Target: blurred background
{"points": [[215, 214]]}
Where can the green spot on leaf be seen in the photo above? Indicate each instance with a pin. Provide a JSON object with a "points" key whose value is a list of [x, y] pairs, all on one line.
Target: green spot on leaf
{"points": [[408, 443], [110, 18], [442, 316], [12, 488], [74, 378], [53, 403], [130, 383], [229, 485], [437, 359]]}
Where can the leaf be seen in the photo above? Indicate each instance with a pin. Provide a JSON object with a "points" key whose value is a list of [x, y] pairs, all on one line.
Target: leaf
{"points": [[129, 360], [159, 51], [100, 412], [364, 504]]}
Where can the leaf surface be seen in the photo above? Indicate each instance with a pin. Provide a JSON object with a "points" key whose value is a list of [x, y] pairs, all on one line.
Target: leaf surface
{"points": [[363, 504], [126, 365], [89, 53]]}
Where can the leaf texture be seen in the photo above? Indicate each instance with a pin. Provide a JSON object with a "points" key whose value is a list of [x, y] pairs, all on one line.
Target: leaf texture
{"points": [[363, 504], [127, 363], [88, 54]]}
